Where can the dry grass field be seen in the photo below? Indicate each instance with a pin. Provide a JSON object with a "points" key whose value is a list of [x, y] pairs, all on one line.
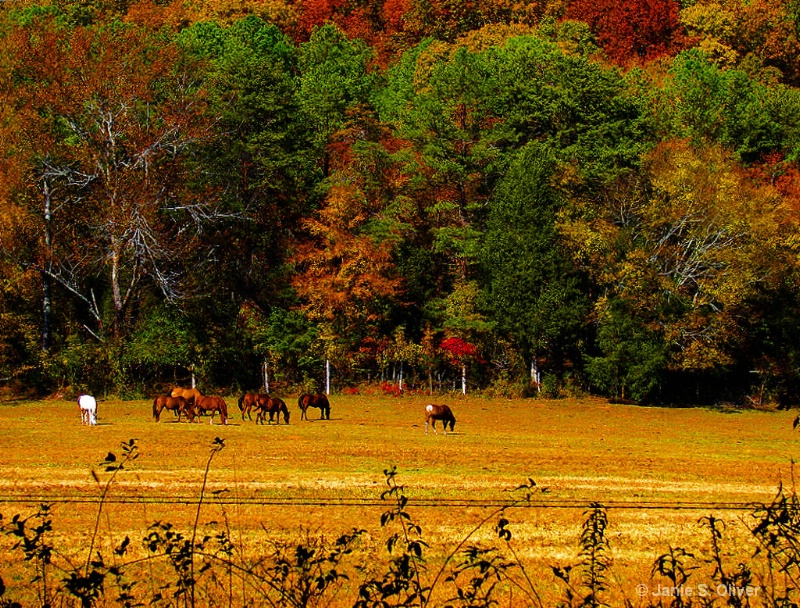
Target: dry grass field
{"points": [[657, 471]]}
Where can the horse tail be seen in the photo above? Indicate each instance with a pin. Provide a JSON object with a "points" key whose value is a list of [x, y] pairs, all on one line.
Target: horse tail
{"points": [[156, 413], [241, 401]]}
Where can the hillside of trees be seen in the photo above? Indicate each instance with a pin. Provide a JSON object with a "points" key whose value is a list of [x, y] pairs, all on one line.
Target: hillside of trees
{"points": [[545, 197]]}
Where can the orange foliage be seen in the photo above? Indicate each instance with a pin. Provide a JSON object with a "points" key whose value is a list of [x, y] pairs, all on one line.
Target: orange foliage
{"points": [[633, 30], [344, 273]]}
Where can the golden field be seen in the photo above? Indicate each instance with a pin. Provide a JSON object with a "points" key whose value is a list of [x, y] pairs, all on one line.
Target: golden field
{"points": [[657, 470]]}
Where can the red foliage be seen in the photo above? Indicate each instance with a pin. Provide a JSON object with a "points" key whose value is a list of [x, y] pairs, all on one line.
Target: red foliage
{"points": [[393, 13], [636, 29], [783, 175], [458, 349], [315, 13], [390, 388]]}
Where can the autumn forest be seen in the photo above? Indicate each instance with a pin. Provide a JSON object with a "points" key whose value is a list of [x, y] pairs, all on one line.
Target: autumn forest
{"points": [[516, 197]]}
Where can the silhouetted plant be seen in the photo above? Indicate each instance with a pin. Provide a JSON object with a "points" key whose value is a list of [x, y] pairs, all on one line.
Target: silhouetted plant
{"points": [[30, 534], [483, 570], [594, 563], [303, 575], [777, 531], [401, 584], [677, 566], [733, 582], [88, 585]]}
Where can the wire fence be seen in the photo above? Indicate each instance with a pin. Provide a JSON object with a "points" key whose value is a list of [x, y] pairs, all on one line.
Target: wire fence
{"points": [[427, 503]]}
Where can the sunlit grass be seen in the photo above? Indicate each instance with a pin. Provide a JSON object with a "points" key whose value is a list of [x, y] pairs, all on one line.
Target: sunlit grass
{"points": [[581, 451]]}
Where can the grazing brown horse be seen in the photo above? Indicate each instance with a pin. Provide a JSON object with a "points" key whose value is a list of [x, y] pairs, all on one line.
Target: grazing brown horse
{"points": [[272, 406], [320, 400], [190, 394], [435, 412], [247, 402], [178, 406], [211, 404]]}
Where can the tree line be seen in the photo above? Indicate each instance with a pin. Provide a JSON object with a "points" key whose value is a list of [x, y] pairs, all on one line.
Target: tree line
{"points": [[566, 197]]}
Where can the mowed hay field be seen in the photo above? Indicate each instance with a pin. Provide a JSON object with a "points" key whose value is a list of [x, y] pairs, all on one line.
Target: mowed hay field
{"points": [[658, 470]]}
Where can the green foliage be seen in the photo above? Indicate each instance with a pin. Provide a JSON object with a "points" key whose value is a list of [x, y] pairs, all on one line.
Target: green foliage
{"points": [[164, 338], [533, 291], [705, 102], [633, 357]]}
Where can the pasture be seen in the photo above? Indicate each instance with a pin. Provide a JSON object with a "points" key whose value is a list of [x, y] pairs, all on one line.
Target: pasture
{"points": [[657, 470]]}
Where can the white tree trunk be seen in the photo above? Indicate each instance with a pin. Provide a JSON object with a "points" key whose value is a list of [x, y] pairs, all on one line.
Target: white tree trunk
{"points": [[327, 376], [536, 374], [400, 383], [266, 376], [464, 379]]}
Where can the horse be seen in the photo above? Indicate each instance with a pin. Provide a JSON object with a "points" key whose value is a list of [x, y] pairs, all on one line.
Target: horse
{"points": [[190, 394], [88, 406], [272, 406], [435, 412], [178, 405], [246, 403], [212, 404], [319, 400]]}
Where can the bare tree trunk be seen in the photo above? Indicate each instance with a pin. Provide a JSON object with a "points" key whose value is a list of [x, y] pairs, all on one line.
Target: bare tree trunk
{"points": [[536, 374], [463, 379], [266, 376], [47, 293], [327, 376]]}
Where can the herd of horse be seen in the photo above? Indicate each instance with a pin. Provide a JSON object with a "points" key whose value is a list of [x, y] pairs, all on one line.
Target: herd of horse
{"points": [[189, 402]]}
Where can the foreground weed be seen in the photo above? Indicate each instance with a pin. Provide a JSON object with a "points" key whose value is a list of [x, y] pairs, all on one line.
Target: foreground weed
{"points": [[401, 584], [305, 574], [593, 566], [475, 576], [30, 534]]}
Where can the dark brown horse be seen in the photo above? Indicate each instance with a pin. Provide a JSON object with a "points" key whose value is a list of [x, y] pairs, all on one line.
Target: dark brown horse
{"points": [[319, 400], [247, 402], [435, 412], [272, 406], [211, 405], [178, 406]]}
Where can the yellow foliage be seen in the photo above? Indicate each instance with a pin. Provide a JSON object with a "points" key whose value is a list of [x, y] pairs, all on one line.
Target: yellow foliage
{"points": [[686, 248]]}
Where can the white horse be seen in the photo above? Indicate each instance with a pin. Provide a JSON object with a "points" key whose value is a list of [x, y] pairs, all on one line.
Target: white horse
{"points": [[88, 407]]}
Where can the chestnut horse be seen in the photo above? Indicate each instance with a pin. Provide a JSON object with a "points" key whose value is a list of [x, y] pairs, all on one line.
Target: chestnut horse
{"points": [[319, 400], [178, 405], [247, 402], [272, 406], [190, 394], [439, 412], [211, 404]]}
